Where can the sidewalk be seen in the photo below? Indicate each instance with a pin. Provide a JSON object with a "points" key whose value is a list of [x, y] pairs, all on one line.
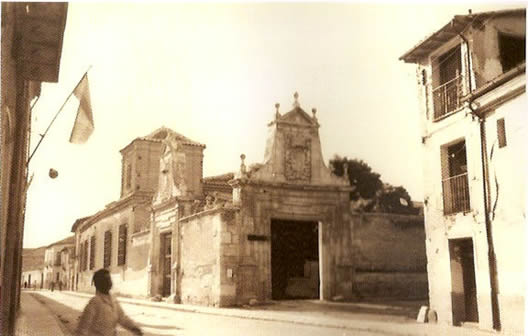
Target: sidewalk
{"points": [[348, 316], [34, 319]]}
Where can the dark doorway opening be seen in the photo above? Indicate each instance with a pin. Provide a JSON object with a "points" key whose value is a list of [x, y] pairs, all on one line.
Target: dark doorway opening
{"points": [[463, 283], [166, 242], [294, 259]]}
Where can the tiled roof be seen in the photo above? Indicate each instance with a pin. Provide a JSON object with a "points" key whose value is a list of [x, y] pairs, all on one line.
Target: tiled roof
{"points": [[69, 240], [222, 179], [457, 25], [161, 133]]}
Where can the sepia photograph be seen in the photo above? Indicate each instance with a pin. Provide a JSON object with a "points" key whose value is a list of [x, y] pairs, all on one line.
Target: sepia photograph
{"points": [[261, 168]]}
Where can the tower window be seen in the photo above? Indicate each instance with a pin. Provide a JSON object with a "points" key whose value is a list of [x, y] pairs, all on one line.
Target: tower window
{"points": [[128, 176]]}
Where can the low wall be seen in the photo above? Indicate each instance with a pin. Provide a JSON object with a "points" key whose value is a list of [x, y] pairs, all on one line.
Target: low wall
{"points": [[390, 259], [391, 285], [200, 235]]}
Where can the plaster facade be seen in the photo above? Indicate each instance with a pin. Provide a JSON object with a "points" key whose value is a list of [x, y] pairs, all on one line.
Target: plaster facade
{"points": [[32, 35], [57, 264], [475, 170], [214, 241], [33, 279]]}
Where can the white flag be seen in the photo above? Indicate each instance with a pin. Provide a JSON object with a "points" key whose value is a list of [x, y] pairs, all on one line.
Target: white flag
{"points": [[84, 124]]}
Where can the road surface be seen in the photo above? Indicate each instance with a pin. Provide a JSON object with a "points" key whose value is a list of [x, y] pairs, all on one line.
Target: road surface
{"points": [[158, 321]]}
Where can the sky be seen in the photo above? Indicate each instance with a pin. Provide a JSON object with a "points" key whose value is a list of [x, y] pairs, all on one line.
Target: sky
{"points": [[213, 72]]}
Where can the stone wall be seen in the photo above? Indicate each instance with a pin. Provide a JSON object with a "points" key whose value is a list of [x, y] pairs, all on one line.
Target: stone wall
{"points": [[260, 203], [390, 257]]}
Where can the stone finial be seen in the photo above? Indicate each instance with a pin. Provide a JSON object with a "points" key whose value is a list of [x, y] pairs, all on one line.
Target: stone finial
{"points": [[345, 169], [314, 111], [296, 97], [277, 114], [242, 164]]}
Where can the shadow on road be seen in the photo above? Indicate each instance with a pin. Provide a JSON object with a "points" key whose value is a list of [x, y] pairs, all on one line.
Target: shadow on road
{"points": [[68, 319]]}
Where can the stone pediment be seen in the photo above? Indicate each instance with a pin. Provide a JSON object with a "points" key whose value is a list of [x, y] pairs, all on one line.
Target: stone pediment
{"points": [[298, 117], [293, 152]]}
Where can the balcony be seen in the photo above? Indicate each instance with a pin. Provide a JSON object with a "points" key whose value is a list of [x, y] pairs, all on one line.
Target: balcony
{"points": [[446, 97], [456, 194]]}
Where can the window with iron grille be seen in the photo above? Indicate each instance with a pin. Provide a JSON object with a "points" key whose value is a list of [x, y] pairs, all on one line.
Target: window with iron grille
{"points": [[92, 252], [447, 82], [122, 245], [455, 187], [501, 132], [107, 248]]}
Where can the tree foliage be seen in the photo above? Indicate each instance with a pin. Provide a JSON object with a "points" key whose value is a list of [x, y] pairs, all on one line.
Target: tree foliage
{"points": [[370, 193]]}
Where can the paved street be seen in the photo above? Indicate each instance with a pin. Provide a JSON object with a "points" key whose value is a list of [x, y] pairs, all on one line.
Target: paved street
{"points": [[158, 321]]}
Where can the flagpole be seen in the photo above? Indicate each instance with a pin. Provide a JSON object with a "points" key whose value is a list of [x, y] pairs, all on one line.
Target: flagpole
{"points": [[56, 115]]}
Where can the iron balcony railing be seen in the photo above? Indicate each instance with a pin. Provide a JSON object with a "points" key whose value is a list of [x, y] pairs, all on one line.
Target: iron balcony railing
{"points": [[446, 97], [456, 194]]}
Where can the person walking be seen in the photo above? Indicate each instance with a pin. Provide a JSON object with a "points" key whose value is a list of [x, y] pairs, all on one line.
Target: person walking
{"points": [[102, 313]]}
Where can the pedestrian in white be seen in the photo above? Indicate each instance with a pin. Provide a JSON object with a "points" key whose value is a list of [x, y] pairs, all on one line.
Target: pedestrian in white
{"points": [[102, 314]]}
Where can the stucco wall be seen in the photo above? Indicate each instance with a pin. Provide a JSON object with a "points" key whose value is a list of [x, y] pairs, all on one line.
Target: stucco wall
{"points": [[485, 46], [200, 258], [36, 281], [390, 259], [440, 228], [507, 164], [229, 255], [507, 167], [130, 278]]}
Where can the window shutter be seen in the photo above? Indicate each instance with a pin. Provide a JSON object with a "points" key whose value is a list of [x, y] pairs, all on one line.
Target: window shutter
{"points": [[501, 133], [122, 245], [92, 252], [107, 248]]}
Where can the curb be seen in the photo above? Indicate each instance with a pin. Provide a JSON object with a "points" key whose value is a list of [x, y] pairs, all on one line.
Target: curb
{"points": [[376, 327], [367, 326]]}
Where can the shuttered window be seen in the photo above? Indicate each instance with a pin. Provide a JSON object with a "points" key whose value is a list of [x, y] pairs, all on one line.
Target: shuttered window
{"points": [[122, 245], [85, 256], [92, 252], [501, 132], [81, 256], [107, 249]]}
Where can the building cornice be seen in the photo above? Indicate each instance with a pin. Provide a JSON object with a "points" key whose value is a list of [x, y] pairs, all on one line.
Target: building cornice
{"points": [[501, 89], [133, 199], [242, 182]]}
